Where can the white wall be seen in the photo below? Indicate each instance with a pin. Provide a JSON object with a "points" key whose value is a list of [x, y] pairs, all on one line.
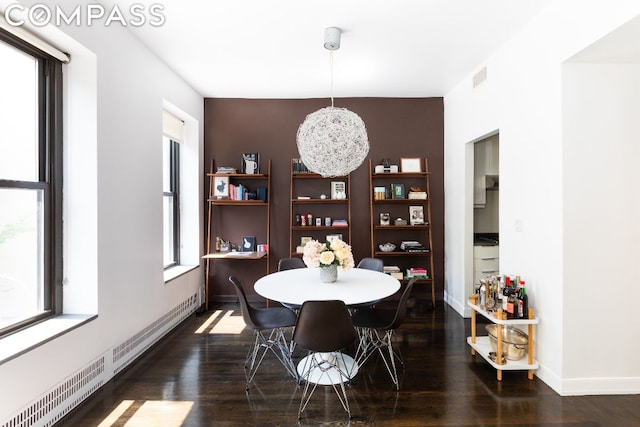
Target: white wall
{"points": [[522, 98], [114, 94], [602, 209]]}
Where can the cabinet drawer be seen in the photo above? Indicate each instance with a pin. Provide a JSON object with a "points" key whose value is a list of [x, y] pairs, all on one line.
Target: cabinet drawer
{"points": [[485, 267], [480, 252]]}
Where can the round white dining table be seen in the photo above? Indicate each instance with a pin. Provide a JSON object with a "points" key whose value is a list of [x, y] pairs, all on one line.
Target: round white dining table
{"points": [[354, 286]]}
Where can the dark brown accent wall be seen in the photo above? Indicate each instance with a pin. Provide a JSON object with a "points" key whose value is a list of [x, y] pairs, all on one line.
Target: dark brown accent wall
{"points": [[397, 127]]}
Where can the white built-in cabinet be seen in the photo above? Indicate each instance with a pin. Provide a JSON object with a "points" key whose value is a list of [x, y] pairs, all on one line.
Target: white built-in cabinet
{"points": [[486, 262]]}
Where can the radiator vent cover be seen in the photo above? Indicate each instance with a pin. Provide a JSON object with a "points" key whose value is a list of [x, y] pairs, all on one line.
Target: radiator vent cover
{"points": [[480, 77]]}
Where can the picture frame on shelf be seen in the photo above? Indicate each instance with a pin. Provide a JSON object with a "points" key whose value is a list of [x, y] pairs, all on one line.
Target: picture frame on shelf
{"points": [[221, 187], [385, 218], [416, 215], [248, 244], [251, 163], [409, 165], [338, 190], [330, 237], [305, 239]]}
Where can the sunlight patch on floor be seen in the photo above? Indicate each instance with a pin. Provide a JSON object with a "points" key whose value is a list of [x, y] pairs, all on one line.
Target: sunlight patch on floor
{"points": [[150, 413], [229, 324], [222, 322], [208, 322], [113, 417]]}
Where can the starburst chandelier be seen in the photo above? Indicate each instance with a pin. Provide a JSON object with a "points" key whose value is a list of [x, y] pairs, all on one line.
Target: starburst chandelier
{"points": [[332, 141]]}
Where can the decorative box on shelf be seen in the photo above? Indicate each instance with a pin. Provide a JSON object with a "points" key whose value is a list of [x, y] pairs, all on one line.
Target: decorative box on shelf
{"points": [[388, 169], [417, 195]]}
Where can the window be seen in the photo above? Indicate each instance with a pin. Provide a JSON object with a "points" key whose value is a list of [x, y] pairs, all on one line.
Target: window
{"points": [[30, 185], [172, 129]]}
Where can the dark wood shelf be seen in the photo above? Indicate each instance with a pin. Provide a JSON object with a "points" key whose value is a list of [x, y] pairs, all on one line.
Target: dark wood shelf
{"points": [[401, 227], [322, 201], [400, 253], [318, 227], [396, 233], [230, 202], [239, 176], [311, 175], [400, 175], [216, 206], [405, 201], [320, 208]]}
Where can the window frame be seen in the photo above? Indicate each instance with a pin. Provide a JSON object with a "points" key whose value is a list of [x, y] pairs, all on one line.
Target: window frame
{"points": [[50, 166], [174, 193]]}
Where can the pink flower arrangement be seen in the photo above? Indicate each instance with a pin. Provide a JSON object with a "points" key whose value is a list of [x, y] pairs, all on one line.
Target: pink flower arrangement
{"points": [[336, 252]]}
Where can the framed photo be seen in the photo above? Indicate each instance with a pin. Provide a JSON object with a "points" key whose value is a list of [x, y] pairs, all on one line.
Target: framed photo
{"points": [[248, 244], [416, 215], [304, 240], [338, 190], [221, 187], [411, 165], [330, 237], [385, 218], [251, 163]]}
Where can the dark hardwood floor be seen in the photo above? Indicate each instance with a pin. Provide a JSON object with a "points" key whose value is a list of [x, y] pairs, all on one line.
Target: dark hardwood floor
{"points": [[195, 377]]}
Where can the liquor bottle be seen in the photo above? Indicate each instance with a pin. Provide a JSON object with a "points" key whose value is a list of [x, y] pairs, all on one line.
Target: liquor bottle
{"points": [[512, 305], [523, 302], [499, 294], [505, 293]]}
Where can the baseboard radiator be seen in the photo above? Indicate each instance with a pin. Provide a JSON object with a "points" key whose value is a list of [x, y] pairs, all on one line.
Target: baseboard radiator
{"points": [[51, 406]]}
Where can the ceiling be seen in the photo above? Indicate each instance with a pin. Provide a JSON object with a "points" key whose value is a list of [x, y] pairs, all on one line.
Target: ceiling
{"points": [[274, 49]]}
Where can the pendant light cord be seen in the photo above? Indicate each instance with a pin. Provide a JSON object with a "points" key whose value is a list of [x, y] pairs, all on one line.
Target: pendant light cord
{"points": [[331, 68]]}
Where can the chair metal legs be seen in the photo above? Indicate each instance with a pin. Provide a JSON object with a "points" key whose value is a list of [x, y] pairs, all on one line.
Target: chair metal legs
{"points": [[277, 344], [371, 340], [327, 368]]}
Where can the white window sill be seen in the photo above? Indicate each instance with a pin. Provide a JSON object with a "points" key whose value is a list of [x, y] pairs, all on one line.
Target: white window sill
{"points": [[23, 341], [177, 271]]}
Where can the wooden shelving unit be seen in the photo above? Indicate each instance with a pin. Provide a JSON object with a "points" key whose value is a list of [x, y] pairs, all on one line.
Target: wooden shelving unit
{"points": [[217, 203], [312, 185], [399, 208]]}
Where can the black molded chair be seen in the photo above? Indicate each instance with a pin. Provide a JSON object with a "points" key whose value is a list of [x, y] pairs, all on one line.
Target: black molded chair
{"points": [[269, 325], [291, 264], [375, 264], [376, 327], [324, 328], [371, 264]]}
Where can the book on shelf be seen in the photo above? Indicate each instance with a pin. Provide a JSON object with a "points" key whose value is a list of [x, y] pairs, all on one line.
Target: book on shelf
{"points": [[339, 223], [409, 243], [397, 191], [417, 249], [393, 271], [241, 192], [418, 272], [225, 169]]}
